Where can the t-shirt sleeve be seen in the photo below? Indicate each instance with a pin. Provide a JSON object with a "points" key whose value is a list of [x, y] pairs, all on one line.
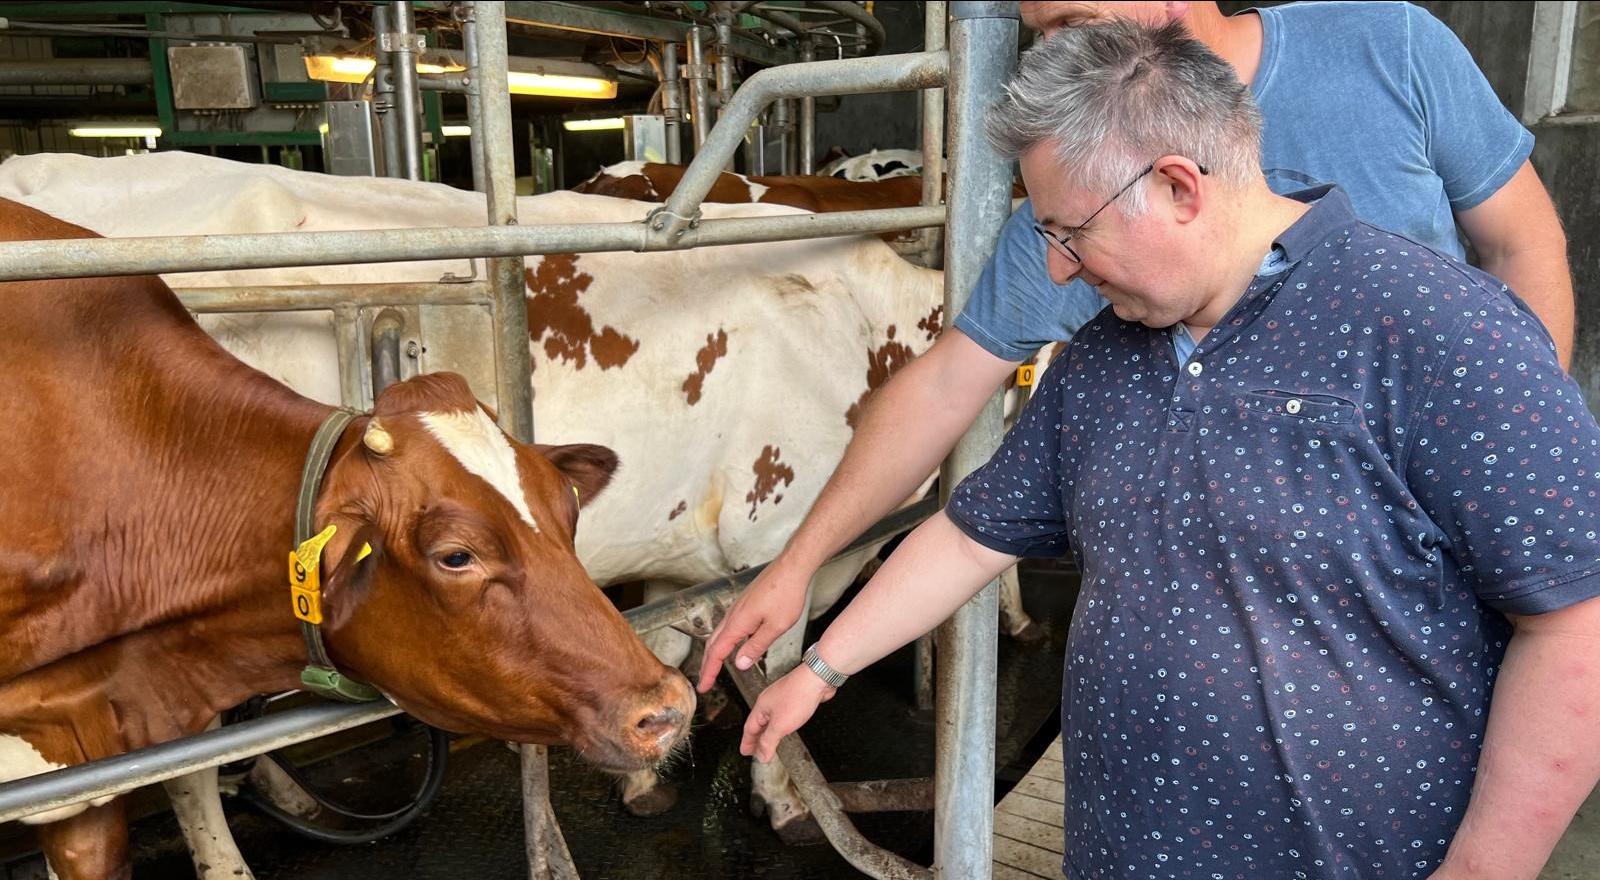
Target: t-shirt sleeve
{"points": [[1016, 309], [1013, 504], [1505, 459], [1474, 143]]}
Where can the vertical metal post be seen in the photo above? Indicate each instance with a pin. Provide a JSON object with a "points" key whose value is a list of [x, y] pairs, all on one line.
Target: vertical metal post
{"points": [[513, 364], [808, 119], [695, 72], [384, 99], [983, 40], [935, 15], [672, 102], [783, 123], [407, 101], [469, 39]]}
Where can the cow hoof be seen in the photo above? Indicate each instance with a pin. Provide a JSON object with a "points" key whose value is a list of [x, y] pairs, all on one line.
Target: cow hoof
{"points": [[654, 801], [801, 830], [1033, 632]]}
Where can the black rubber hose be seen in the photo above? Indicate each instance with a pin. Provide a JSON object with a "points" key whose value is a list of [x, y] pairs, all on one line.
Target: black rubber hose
{"points": [[393, 821]]}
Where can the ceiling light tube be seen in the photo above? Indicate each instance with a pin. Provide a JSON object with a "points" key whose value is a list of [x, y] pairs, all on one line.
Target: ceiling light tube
{"points": [[613, 123]]}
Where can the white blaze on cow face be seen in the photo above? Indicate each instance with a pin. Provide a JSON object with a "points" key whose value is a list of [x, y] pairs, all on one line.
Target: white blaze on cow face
{"points": [[19, 760], [477, 442]]}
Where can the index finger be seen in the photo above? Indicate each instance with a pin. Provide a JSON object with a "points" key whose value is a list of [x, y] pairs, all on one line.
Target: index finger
{"points": [[722, 642]]}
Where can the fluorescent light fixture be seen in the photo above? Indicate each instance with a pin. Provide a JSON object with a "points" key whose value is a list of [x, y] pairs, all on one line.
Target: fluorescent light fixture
{"points": [[115, 130], [613, 123], [345, 61], [356, 69], [556, 85], [455, 131]]}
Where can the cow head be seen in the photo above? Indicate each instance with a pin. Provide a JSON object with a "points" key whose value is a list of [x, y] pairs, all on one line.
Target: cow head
{"points": [[472, 611]]}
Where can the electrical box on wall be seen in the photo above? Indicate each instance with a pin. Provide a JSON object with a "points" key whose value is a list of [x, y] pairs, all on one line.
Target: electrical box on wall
{"points": [[212, 78]]}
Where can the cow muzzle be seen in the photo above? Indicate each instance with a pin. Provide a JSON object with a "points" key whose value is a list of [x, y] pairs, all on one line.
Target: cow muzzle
{"points": [[647, 730]]}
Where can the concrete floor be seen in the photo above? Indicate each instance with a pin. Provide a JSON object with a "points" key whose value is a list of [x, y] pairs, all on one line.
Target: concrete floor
{"points": [[1577, 856]]}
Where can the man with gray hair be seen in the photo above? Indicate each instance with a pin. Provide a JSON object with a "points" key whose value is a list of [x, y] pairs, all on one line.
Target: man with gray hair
{"points": [[1328, 490]]}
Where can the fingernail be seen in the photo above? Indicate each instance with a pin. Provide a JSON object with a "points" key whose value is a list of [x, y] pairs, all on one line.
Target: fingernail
{"points": [[742, 662]]}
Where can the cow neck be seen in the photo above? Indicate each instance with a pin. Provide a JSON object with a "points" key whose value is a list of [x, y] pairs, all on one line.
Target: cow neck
{"points": [[320, 676], [236, 429]]}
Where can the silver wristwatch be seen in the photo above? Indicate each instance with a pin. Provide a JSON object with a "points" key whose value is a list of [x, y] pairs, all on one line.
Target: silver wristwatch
{"points": [[815, 663]]}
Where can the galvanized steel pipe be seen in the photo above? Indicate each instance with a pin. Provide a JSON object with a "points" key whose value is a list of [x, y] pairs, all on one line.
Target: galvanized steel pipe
{"points": [[93, 257], [469, 40], [384, 99], [77, 72], [861, 853], [699, 85], [513, 362], [935, 15], [808, 119], [851, 76], [403, 66], [672, 102], [108, 776], [983, 40]]}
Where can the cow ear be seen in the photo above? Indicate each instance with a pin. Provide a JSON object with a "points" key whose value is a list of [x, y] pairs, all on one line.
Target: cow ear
{"points": [[347, 569], [588, 466]]}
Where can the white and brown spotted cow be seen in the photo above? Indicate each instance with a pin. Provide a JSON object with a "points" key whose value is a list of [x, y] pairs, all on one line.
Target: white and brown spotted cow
{"points": [[727, 379]]}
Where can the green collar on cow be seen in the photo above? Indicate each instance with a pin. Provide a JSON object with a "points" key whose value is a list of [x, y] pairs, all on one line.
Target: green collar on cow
{"points": [[305, 570]]}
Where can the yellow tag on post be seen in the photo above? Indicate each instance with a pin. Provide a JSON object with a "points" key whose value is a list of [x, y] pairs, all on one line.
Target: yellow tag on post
{"points": [[305, 576], [1024, 375]]}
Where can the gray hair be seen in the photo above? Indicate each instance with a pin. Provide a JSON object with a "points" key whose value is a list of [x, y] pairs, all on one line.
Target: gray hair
{"points": [[1114, 97]]}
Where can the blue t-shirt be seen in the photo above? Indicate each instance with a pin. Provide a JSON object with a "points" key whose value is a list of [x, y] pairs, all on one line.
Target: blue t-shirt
{"points": [[1378, 97], [1296, 549]]}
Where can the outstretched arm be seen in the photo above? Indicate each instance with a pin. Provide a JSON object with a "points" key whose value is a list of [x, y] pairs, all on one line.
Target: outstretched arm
{"points": [[940, 393], [924, 581]]}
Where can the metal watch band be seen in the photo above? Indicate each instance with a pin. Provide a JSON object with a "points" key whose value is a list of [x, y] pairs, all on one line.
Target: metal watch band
{"points": [[827, 673]]}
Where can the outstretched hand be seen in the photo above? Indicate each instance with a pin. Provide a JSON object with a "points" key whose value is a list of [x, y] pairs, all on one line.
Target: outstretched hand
{"points": [[781, 709], [764, 611]]}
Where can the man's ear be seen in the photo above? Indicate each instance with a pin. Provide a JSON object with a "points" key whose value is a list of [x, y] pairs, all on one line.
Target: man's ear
{"points": [[348, 562], [588, 466], [1181, 180]]}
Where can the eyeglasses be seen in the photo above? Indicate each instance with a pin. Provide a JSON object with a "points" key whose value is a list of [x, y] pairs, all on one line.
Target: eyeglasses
{"points": [[1059, 242]]}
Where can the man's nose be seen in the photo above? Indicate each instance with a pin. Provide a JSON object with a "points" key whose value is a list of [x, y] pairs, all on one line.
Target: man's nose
{"points": [[1062, 267]]}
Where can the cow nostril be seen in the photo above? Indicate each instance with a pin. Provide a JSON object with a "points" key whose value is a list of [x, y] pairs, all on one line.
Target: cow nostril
{"points": [[656, 724]]}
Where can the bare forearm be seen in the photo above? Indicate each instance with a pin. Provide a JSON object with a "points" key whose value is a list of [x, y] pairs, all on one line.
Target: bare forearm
{"points": [[907, 427], [1541, 277], [934, 571], [1540, 759]]}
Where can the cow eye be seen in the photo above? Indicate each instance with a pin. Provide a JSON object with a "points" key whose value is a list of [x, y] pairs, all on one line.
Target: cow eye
{"points": [[456, 561]]}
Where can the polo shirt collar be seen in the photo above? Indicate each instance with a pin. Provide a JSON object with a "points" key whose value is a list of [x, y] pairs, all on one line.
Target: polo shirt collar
{"points": [[1330, 212]]}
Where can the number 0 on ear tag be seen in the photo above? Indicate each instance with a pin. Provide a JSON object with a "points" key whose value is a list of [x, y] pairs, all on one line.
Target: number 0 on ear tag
{"points": [[1025, 375], [305, 576]]}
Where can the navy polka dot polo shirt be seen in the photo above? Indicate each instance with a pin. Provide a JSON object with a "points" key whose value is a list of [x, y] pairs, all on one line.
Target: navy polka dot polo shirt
{"points": [[1296, 549]]}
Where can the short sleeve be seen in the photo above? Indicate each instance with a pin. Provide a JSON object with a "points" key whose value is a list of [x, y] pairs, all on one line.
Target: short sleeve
{"points": [[1016, 309], [1505, 459], [1014, 503], [1474, 143]]}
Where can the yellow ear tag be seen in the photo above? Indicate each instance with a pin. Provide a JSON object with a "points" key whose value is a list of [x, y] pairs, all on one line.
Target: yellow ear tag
{"points": [[576, 497], [1025, 375], [305, 576], [366, 550]]}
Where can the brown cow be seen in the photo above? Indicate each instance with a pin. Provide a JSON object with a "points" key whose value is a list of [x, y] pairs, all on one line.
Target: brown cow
{"points": [[150, 490], [654, 182]]}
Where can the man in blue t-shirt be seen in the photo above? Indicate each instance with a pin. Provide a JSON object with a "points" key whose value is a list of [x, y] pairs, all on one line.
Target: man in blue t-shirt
{"points": [[1328, 487], [1379, 97]]}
